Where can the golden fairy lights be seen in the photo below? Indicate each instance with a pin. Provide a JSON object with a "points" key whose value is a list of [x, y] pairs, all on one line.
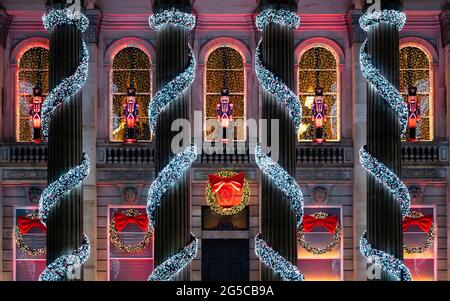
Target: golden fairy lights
{"points": [[33, 69], [120, 81], [318, 64], [415, 71], [235, 82]]}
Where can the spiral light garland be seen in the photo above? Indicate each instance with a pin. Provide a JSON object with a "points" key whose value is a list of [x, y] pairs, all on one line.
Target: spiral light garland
{"points": [[287, 184], [383, 174], [63, 265], [181, 163]]}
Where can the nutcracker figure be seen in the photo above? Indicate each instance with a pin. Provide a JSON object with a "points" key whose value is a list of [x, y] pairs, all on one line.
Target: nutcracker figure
{"points": [[319, 115], [35, 113], [130, 115], [225, 111], [413, 113]]}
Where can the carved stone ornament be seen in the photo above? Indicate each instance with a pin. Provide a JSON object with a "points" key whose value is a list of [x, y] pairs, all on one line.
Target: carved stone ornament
{"points": [[416, 193]]}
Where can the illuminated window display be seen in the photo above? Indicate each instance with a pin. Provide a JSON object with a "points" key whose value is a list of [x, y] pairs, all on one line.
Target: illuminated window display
{"points": [[225, 65], [130, 244], [32, 73], [318, 69], [416, 84], [131, 67], [419, 243], [320, 248], [29, 246]]}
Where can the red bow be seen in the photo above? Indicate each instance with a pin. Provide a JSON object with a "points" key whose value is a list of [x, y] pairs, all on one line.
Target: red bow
{"points": [[329, 223], [236, 182], [121, 220], [26, 223], [423, 222]]}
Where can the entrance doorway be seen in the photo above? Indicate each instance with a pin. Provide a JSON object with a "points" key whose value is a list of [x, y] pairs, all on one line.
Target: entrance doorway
{"points": [[225, 260]]}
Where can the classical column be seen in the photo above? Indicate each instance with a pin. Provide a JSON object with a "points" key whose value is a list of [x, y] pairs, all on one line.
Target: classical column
{"points": [[172, 228], [384, 219], [359, 101], [65, 221], [89, 108], [278, 224]]}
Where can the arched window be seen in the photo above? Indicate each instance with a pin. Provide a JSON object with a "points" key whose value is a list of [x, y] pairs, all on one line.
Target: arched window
{"points": [[415, 72], [318, 68], [32, 72], [131, 68], [225, 62]]}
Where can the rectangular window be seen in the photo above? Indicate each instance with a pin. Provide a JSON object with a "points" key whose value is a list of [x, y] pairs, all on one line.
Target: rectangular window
{"points": [[29, 245], [313, 261], [130, 247], [419, 240]]}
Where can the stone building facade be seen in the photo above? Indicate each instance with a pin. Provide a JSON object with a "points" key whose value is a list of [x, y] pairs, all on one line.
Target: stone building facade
{"points": [[329, 173]]}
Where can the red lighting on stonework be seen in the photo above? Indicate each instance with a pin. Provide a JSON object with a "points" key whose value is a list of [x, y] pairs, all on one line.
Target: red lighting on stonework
{"points": [[227, 190]]}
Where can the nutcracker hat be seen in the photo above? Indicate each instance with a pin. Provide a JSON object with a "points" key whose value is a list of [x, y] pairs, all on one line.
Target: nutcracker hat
{"points": [[225, 92], [318, 91], [37, 91], [131, 91], [412, 91]]}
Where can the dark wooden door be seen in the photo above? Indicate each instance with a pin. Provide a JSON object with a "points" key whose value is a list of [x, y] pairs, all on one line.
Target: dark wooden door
{"points": [[225, 260]]}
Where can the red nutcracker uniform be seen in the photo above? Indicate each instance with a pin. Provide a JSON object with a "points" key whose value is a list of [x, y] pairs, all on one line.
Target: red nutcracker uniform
{"points": [[413, 113], [225, 112], [319, 115], [35, 113], [131, 116]]}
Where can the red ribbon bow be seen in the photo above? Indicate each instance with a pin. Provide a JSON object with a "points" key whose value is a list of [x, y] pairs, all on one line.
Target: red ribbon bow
{"points": [[121, 220], [26, 223], [329, 223], [423, 222], [236, 182]]}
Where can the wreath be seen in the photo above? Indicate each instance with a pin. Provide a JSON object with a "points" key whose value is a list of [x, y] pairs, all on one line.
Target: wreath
{"points": [[224, 182], [25, 224], [121, 220], [425, 223], [331, 223]]}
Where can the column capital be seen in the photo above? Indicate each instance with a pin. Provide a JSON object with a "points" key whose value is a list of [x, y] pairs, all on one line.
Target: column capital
{"points": [[5, 22], [355, 32], [95, 20], [182, 5], [279, 4]]}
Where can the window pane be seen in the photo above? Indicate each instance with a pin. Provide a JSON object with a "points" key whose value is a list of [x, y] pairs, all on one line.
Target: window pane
{"points": [[127, 62], [32, 71], [415, 72], [225, 62], [318, 67]]}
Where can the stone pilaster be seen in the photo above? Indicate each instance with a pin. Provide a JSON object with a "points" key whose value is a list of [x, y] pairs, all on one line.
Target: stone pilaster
{"points": [[89, 107], [359, 103]]}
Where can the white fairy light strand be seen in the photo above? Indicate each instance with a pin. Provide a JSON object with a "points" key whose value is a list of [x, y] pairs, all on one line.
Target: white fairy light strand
{"points": [[181, 163], [172, 16], [69, 86], [383, 174], [173, 265], [268, 80], [287, 184], [272, 259], [65, 264]]}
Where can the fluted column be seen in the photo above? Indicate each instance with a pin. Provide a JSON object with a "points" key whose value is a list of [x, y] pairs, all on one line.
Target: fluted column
{"points": [[172, 228], [384, 219], [65, 221], [278, 225]]}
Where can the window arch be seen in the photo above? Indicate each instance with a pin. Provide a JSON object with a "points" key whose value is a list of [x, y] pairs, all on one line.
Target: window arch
{"points": [[32, 71], [318, 67], [130, 66], [416, 71], [222, 60]]}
